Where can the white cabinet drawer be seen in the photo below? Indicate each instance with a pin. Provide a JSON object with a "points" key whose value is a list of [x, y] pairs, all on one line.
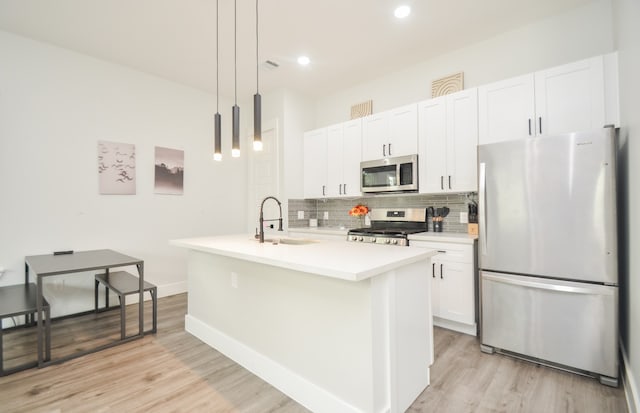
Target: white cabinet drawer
{"points": [[462, 253]]}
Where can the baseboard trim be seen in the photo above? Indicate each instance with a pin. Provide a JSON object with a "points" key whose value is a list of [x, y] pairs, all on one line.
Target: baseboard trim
{"points": [[455, 326], [172, 289], [298, 388], [630, 384]]}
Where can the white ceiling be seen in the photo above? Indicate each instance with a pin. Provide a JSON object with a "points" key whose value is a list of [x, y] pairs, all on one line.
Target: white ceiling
{"points": [[349, 41]]}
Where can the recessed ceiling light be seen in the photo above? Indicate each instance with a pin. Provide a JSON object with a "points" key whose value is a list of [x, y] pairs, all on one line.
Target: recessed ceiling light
{"points": [[402, 11], [303, 60]]}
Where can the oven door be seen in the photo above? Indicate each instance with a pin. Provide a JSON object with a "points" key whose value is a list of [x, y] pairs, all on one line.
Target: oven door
{"points": [[399, 174]]}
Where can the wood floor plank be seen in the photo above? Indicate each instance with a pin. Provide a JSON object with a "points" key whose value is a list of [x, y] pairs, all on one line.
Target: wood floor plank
{"points": [[173, 371]]}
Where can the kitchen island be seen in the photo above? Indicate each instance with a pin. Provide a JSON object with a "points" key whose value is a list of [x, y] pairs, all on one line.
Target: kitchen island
{"points": [[337, 326]]}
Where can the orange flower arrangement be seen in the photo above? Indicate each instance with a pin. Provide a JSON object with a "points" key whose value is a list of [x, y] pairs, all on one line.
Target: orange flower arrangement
{"points": [[359, 210]]}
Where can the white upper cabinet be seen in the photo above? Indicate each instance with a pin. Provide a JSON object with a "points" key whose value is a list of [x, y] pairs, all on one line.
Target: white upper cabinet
{"points": [[390, 133], [562, 99], [445, 131], [448, 137], [506, 110], [570, 97], [432, 155], [344, 143], [315, 163]]}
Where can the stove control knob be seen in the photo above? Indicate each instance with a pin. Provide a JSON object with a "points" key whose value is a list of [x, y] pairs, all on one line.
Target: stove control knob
{"points": [[373, 240], [387, 241], [360, 239], [395, 241]]}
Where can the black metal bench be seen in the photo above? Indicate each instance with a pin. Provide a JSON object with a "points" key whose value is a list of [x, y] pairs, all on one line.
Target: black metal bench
{"points": [[17, 300], [123, 284]]}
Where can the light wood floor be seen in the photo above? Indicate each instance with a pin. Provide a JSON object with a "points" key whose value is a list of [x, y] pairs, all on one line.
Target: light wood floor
{"points": [[174, 372]]}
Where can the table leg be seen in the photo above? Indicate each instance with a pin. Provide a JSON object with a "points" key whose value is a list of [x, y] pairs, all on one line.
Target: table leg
{"points": [[106, 290], [28, 319], [47, 313], [141, 299], [39, 317], [1, 348]]}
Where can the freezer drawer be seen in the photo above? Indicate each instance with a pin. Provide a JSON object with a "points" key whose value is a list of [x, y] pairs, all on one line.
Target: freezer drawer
{"points": [[569, 323]]}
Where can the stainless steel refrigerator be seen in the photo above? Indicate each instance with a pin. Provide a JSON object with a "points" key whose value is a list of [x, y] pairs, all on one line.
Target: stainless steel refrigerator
{"points": [[548, 251]]}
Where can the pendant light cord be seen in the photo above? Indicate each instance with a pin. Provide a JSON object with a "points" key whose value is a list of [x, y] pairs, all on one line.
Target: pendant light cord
{"points": [[235, 48], [257, 59]]}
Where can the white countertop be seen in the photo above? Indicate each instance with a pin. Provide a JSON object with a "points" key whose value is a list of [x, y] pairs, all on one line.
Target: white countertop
{"points": [[340, 231], [336, 259], [454, 237]]}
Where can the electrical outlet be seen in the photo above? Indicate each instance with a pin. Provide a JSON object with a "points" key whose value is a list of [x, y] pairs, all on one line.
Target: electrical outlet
{"points": [[234, 280], [464, 217], [326, 215], [300, 214]]}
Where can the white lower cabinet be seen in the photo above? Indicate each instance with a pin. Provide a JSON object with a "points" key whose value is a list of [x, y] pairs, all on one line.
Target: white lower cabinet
{"points": [[453, 285]]}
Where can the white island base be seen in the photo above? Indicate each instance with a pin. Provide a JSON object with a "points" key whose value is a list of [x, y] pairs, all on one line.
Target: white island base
{"points": [[331, 344]]}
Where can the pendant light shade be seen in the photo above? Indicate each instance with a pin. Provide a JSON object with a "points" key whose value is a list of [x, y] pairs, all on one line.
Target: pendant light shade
{"points": [[257, 100], [235, 134], [217, 154], [217, 143], [235, 138], [257, 122]]}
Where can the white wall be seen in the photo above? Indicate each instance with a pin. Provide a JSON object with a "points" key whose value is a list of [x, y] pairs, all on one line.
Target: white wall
{"points": [[577, 34], [299, 112], [627, 31], [293, 113], [54, 107]]}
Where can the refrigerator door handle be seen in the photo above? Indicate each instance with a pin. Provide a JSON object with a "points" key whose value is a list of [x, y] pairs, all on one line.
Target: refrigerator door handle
{"points": [[541, 285], [483, 207]]}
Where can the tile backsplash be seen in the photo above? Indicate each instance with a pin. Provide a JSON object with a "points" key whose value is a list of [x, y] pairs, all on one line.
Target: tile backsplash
{"points": [[338, 209]]}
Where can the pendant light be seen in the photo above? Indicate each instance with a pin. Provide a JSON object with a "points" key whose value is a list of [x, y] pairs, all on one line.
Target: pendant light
{"points": [[235, 110], [257, 100], [217, 154]]}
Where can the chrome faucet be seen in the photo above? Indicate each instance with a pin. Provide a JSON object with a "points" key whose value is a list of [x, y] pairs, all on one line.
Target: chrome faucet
{"points": [[262, 220]]}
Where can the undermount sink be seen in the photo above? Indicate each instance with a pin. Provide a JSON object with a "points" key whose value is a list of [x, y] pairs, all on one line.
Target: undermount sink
{"points": [[289, 241]]}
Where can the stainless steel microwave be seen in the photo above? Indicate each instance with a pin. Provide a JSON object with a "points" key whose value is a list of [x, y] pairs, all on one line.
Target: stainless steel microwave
{"points": [[397, 174]]}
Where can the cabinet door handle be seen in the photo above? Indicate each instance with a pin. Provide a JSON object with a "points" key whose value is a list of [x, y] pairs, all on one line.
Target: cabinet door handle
{"points": [[442, 182], [449, 181], [441, 277], [540, 124], [323, 190], [384, 150], [433, 269], [529, 126], [340, 189], [389, 149], [344, 189]]}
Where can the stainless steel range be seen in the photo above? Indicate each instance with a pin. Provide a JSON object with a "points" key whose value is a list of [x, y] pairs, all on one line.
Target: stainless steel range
{"points": [[391, 226]]}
